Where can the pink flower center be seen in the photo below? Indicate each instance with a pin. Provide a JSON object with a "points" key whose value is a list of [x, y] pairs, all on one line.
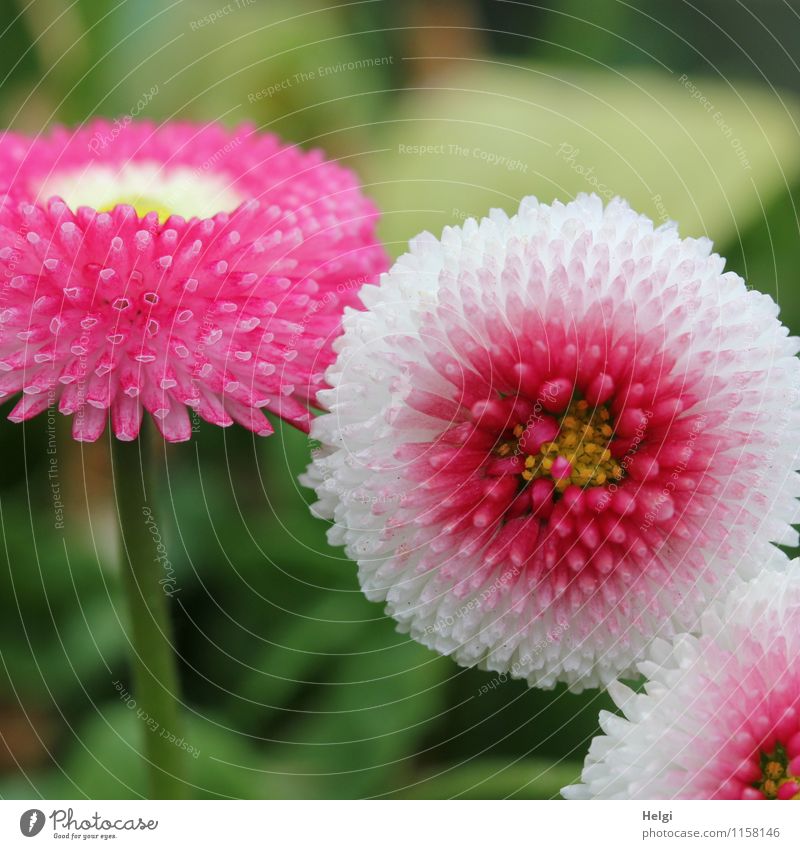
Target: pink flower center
{"points": [[566, 467]]}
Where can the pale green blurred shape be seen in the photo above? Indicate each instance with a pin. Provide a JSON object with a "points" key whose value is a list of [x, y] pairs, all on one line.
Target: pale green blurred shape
{"points": [[554, 132]]}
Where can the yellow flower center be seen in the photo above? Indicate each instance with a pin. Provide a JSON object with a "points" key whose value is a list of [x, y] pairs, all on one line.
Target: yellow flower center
{"points": [[579, 454], [142, 204], [775, 773]]}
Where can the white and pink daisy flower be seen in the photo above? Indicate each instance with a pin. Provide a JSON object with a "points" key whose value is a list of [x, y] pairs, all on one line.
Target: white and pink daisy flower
{"points": [[551, 437], [720, 714], [165, 268]]}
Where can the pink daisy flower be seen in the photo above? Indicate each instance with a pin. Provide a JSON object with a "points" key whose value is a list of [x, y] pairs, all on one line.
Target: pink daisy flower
{"points": [[720, 716], [551, 437], [165, 268]]}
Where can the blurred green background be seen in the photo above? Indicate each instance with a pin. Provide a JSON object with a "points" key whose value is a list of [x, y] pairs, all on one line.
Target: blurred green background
{"points": [[295, 686]]}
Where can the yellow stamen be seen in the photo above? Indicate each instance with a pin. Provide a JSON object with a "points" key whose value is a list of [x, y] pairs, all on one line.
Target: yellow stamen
{"points": [[583, 442], [142, 205], [775, 773], [774, 770]]}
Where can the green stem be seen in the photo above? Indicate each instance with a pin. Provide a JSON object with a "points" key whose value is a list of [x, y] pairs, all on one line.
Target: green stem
{"points": [[155, 675]]}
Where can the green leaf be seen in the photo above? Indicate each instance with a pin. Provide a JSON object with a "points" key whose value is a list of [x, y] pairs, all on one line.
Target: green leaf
{"points": [[362, 730], [104, 759], [280, 668]]}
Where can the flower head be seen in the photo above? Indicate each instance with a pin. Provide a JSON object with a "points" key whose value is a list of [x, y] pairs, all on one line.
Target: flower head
{"points": [[165, 268], [720, 716], [565, 423]]}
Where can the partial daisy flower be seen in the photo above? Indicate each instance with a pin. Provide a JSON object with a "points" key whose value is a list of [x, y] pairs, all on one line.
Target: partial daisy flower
{"points": [[566, 422], [720, 714], [165, 268]]}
